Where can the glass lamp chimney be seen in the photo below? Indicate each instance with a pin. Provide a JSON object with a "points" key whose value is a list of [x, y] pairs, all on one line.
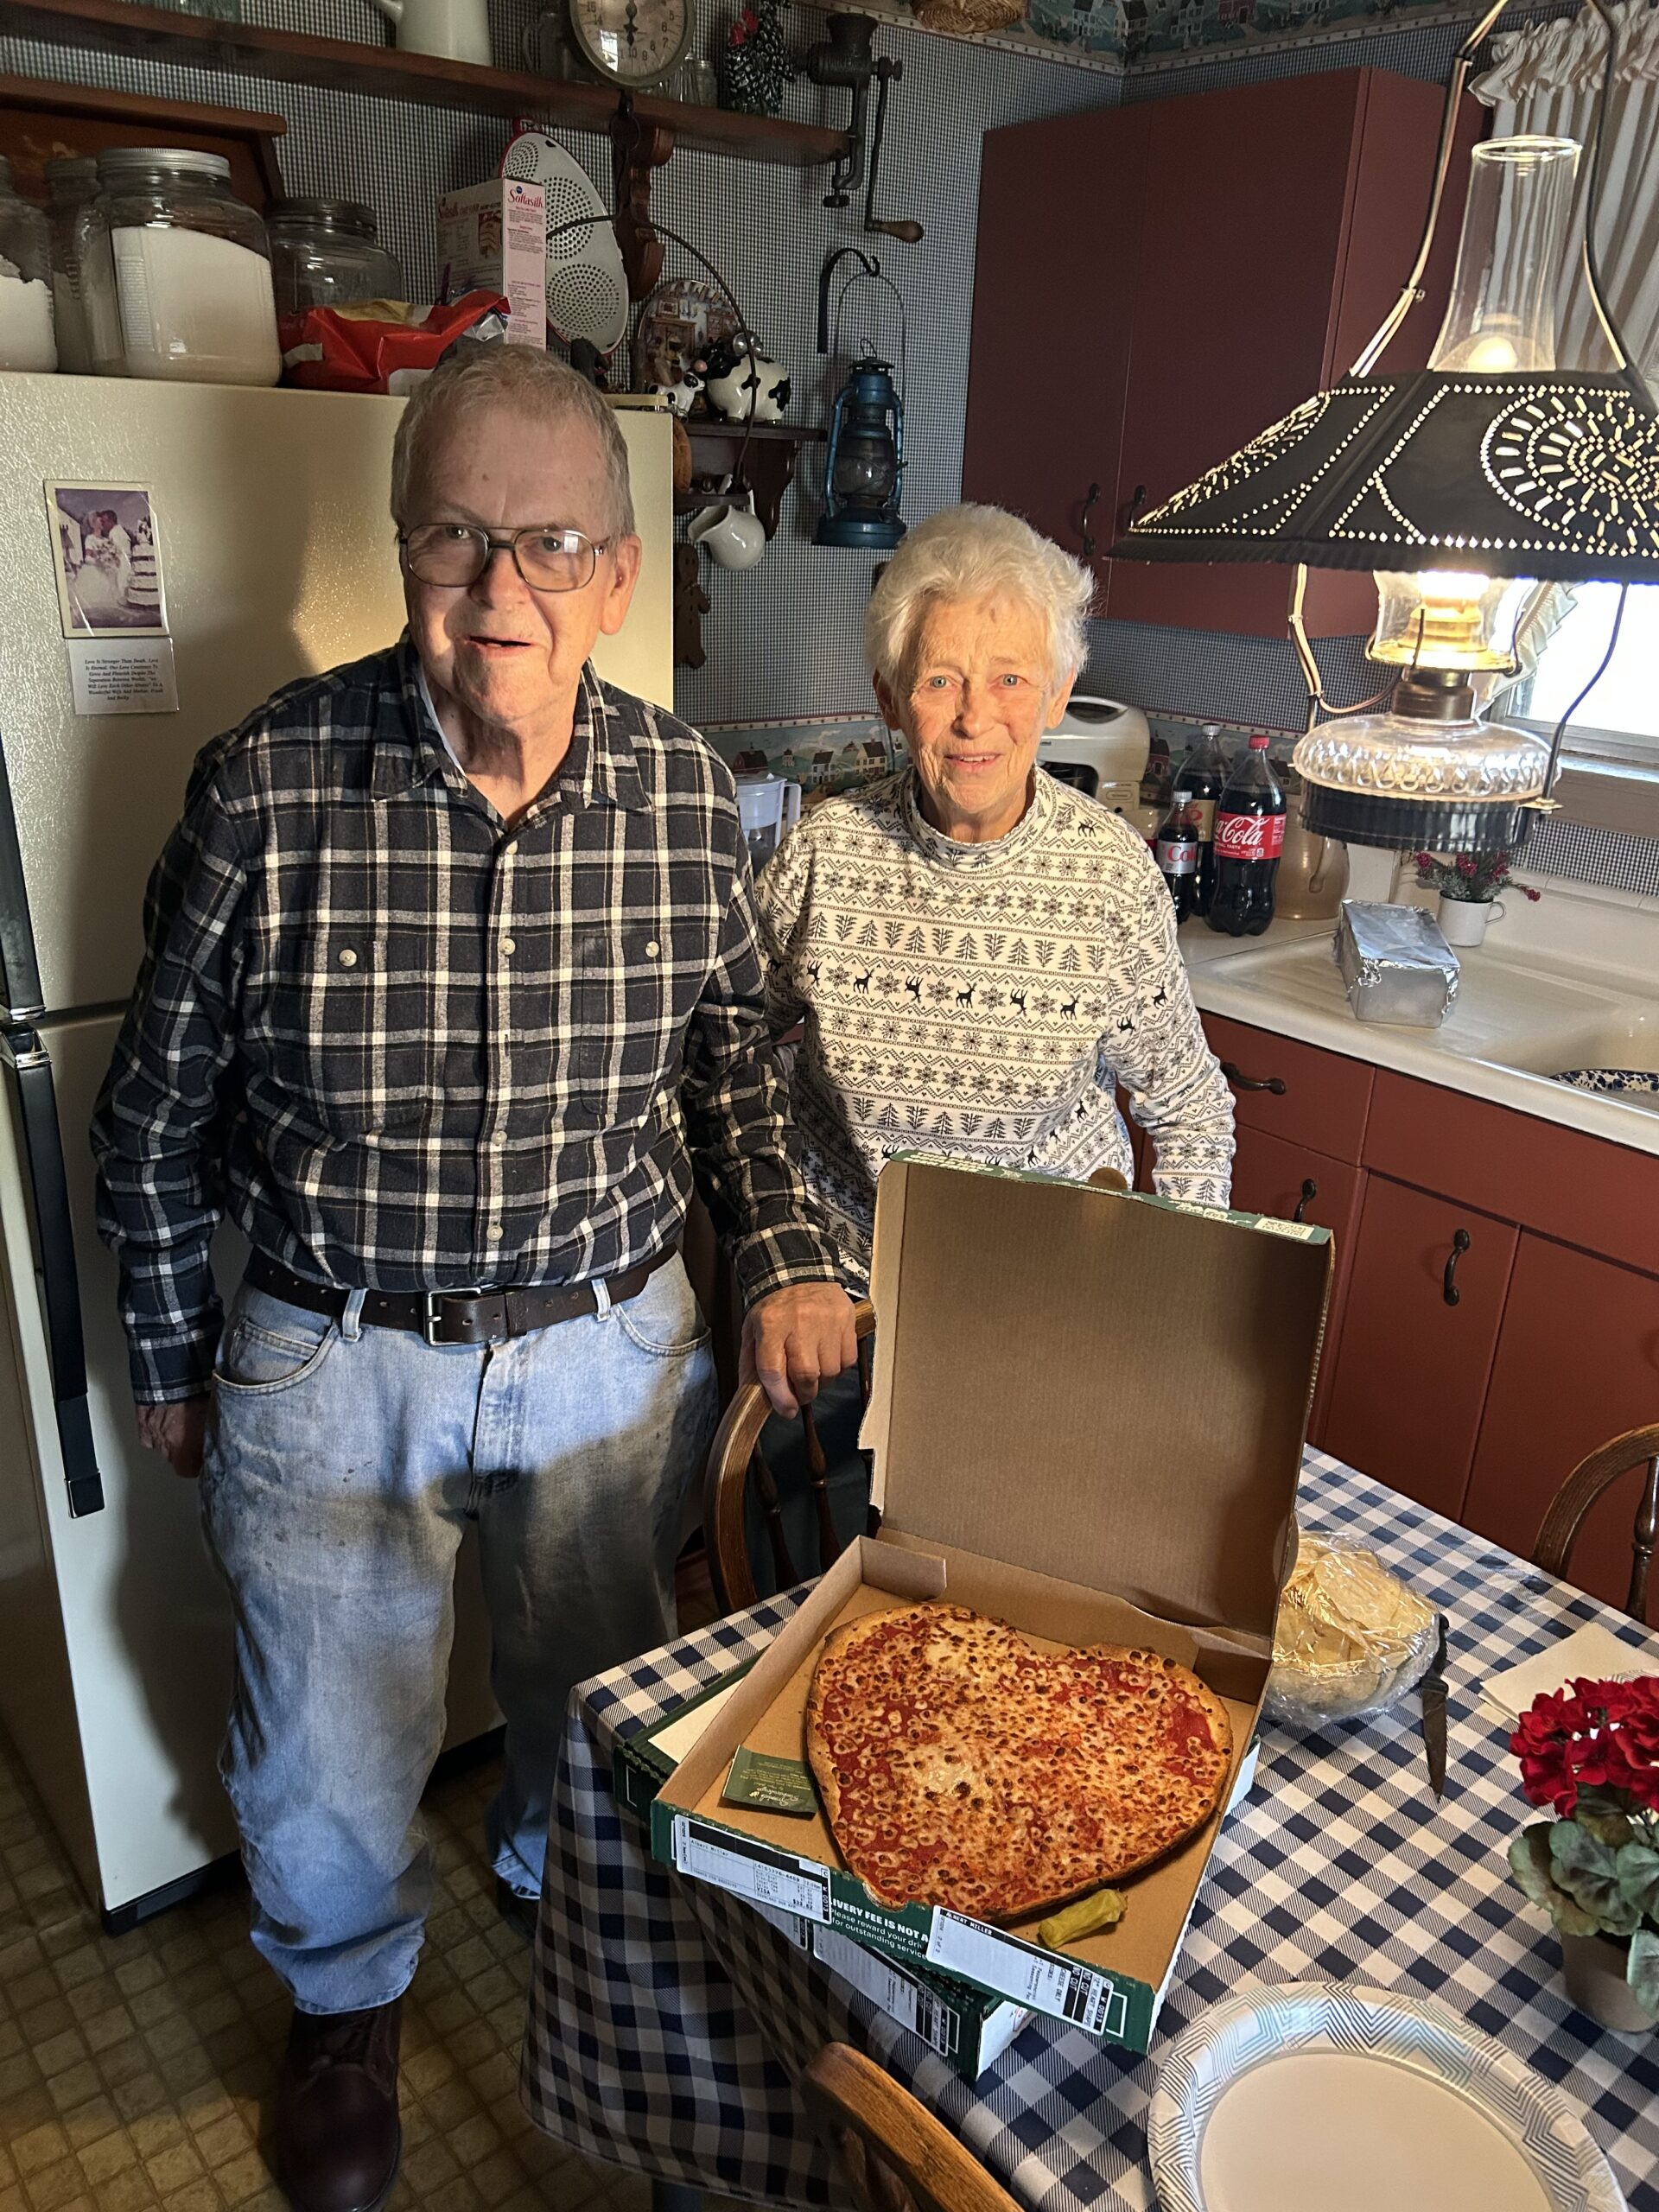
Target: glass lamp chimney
{"points": [[1429, 771]]}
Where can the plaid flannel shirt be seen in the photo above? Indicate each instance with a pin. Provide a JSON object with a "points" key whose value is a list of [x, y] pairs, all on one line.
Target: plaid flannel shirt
{"points": [[409, 1048]]}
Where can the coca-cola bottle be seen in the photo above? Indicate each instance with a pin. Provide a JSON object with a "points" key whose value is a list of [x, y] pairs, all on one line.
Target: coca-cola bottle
{"points": [[1203, 773], [1249, 837], [1177, 853]]}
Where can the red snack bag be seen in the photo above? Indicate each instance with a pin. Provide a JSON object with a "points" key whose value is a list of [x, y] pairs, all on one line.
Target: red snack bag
{"points": [[381, 345]]}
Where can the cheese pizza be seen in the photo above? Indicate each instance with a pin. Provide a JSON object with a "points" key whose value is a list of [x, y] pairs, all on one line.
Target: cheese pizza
{"points": [[959, 1765]]}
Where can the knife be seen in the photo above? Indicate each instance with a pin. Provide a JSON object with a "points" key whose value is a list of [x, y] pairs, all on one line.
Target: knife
{"points": [[1432, 1692]]}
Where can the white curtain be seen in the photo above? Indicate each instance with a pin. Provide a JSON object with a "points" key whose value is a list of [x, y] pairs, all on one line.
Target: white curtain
{"points": [[1546, 81]]}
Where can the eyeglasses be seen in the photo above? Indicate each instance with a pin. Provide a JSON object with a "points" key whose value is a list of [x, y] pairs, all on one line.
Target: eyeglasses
{"points": [[547, 556]]}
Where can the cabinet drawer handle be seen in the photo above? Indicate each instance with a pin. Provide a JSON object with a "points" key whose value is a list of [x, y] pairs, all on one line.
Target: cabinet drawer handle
{"points": [[1276, 1083], [1449, 1290], [1310, 1190]]}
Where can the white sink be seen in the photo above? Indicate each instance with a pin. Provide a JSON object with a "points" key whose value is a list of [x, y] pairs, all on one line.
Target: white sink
{"points": [[1519, 1014]]}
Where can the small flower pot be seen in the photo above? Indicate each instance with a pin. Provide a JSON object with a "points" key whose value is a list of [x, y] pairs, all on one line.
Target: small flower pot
{"points": [[1463, 921], [1592, 1968]]}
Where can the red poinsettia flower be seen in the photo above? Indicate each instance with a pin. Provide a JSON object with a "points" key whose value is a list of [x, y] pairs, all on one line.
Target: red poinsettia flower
{"points": [[1603, 1737]]}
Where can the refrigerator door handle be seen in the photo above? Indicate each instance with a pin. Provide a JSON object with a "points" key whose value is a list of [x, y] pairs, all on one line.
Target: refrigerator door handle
{"points": [[31, 1067], [20, 966]]}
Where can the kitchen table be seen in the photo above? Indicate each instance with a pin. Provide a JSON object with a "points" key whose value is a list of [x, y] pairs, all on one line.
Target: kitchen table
{"points": [[669, 2021]]}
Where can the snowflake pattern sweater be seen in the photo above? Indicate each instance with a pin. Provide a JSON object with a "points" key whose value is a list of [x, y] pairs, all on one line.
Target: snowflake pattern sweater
{"points": [[983, 1002]]}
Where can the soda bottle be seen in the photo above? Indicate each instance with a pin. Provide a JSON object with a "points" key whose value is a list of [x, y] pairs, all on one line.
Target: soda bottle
{"points": [[1249, 837], [1177, 853], [1203, 773]]}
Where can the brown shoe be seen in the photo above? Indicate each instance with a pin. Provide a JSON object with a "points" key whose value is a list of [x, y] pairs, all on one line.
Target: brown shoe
{"points": [[338, 2137]]}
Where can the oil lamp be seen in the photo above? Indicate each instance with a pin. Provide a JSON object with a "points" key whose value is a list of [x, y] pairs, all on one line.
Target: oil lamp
{"points": [[1463, 486]]}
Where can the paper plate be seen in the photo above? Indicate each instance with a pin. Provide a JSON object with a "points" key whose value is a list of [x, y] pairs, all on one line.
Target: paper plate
{"points": [[1307, 2094], [586, 284]]}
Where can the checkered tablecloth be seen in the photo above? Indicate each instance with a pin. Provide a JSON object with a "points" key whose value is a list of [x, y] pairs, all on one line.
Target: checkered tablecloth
{"points": [[668, 2021]]}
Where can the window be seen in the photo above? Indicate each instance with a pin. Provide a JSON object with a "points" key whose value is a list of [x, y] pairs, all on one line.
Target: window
{"points": [[1619, 720]]}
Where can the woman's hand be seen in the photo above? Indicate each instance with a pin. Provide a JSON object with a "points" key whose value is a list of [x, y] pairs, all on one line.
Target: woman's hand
{"points": [[796, 1338]]}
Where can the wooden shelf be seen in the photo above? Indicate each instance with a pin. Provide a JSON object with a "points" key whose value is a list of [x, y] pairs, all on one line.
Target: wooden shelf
{"points": [[383, 72], [769, 465]]}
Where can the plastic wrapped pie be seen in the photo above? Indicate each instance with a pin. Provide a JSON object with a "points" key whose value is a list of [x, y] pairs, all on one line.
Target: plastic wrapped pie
{"points": [[1350, 1637]]}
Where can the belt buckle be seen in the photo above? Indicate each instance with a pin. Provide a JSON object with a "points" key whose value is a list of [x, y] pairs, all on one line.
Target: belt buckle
{"points": [[432, 1317]]}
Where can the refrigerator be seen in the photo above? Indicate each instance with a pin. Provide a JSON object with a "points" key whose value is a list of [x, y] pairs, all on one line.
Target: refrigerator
{"points": [[277, 558]]}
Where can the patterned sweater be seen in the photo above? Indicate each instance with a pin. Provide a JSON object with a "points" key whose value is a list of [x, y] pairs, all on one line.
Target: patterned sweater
{"points": [[983, 1002]]}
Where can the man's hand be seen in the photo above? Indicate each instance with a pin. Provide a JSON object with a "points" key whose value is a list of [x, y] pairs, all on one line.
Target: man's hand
{"points": [[176, 1431], [796, 1338]]}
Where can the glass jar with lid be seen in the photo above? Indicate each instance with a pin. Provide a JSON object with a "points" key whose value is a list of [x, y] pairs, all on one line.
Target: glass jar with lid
{"points": [[72, 181], [26, 338], [324, 253], [176, 271]]}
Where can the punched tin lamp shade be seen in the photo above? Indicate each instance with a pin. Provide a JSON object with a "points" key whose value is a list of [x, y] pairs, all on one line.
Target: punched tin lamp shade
{"points": [[1553, 476]]}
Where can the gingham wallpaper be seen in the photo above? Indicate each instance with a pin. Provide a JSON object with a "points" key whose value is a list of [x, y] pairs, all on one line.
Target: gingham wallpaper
{"points": [[783, 639]]}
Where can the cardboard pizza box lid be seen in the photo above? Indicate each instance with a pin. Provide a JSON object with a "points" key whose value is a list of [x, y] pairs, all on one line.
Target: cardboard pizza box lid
{"points": [[1098, 1386]]}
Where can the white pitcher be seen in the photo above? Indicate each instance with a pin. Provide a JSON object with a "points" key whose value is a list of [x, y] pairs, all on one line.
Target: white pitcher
{"points": [[457, 30]]}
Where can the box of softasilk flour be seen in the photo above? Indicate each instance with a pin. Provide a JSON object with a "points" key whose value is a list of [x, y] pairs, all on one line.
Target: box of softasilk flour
{"points": [[1034, 1471]]}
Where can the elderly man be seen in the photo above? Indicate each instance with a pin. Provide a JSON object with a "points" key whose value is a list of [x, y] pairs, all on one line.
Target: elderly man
{"points": [[451, 983]]}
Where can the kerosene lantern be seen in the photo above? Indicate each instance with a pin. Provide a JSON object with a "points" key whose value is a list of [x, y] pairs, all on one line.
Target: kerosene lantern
{"points": [[864, 475]]}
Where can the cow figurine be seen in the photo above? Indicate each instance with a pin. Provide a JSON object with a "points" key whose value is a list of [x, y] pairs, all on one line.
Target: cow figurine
{"points": [[738, 381], [680, 395]]}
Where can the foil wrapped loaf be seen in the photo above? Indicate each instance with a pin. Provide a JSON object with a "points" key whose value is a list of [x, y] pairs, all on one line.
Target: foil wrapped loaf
{"points": [[1396, 966], [1350, 1637]]}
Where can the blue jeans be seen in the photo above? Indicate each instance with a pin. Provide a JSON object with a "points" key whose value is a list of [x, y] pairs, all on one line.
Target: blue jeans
{"points": [[341, 1464]]}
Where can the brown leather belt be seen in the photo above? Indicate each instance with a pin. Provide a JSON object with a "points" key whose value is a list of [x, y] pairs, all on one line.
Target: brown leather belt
{"points": [[454, 1317]]}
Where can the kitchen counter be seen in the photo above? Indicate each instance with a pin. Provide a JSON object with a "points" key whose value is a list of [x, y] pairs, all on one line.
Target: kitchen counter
{"points": [[1573, 986]]}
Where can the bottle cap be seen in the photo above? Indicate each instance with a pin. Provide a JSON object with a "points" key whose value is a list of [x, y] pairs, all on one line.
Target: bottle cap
{"points": [[1259, 740]]}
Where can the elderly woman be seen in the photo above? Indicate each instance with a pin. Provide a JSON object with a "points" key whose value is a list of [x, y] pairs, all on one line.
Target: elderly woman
{"points": [[979, 954]]}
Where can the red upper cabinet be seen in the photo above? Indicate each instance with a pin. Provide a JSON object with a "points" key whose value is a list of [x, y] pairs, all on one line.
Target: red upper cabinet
{"points": [[1050, 360], [1157, 284]]}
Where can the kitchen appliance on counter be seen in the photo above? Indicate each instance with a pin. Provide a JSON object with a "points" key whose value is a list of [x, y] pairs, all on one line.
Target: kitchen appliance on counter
{"points": [[1102, 746], [1313, 879], [769, 808], [277, 559]]}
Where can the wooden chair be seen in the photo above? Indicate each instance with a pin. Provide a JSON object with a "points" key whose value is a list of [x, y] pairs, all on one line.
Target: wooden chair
{"points": [[1586, 1482], [897, 2156], [735, 1455]]}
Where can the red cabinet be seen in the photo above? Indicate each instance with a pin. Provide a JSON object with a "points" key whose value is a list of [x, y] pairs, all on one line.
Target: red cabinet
{"points": [[1024, 449], [1578, 1363], [1156, 283], [1418, 1339], [1578, 1188], [1291, 1090], [1272, 1177]]}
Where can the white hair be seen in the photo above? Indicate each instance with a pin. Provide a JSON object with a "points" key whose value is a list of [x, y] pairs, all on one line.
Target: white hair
{"points": [[971, 552], [473, 377]]}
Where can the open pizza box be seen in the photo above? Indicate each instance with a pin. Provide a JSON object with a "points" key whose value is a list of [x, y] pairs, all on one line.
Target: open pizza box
{"points": [[1087, 1421]]}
